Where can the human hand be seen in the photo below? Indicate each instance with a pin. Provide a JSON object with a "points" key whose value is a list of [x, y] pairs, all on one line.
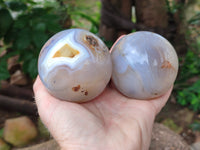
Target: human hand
{"points": [[109, 122]]}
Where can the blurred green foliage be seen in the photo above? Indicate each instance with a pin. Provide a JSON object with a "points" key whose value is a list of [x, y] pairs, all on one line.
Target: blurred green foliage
{"points": [[85, 14], [190, 96], [190, 66], [24, 27], [188, 93]]}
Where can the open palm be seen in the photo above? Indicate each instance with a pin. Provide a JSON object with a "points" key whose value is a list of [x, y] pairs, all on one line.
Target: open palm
{"points": [[109, 122]]}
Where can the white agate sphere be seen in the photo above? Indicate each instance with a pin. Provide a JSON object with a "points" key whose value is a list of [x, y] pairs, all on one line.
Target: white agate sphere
{"points": [[145, 65], [75, 65]]}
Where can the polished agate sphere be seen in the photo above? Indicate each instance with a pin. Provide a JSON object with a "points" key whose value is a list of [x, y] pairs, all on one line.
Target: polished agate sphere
{"points": [[145, 65], [75, 65]]}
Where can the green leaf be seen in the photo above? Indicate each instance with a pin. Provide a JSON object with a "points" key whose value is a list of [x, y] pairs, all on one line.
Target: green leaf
{"points": [[17, 6], [6, 21], [29, 59], [52, 22], [38, 11], [4, 74], [22, 22], [20, 27], [190, 96], [40, 27], [23, 40], [10, 36], [30, 67], [39, 39]]}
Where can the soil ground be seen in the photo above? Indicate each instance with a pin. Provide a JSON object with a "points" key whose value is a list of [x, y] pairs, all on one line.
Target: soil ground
{"points": [[179, 119]]}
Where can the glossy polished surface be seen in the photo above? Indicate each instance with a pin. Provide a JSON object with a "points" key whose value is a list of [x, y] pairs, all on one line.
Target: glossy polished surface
{"points": [[145, 65], [75, 65]]}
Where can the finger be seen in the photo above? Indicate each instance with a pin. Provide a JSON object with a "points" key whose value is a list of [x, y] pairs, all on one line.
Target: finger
{"points": [[44, 101], [116, 42], [36, 83], [160, 102], [40, 92]]}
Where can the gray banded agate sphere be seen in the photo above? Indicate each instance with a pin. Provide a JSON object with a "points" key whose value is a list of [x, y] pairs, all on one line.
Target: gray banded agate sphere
{"points": [[75, 65], [145, 65]]}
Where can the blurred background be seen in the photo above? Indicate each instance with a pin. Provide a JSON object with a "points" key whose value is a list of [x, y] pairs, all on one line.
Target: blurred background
{"points": [[25, 25]]}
